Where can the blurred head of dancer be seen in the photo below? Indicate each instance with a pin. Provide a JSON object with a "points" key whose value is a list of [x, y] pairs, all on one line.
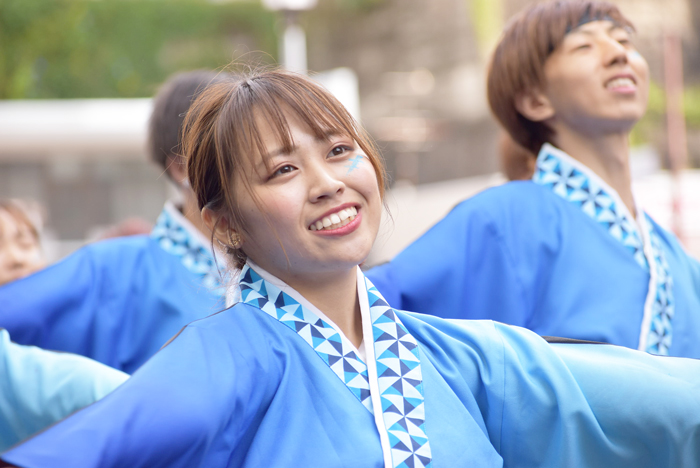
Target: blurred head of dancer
{"points": [[170, 107], [20, 249]]}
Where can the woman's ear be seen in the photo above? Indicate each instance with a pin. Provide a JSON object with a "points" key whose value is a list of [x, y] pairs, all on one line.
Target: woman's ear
{"points": [[534, 105], [218, 225]]}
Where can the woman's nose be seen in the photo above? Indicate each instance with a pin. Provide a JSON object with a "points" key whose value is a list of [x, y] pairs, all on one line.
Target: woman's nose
{"points": [[324, 182]]}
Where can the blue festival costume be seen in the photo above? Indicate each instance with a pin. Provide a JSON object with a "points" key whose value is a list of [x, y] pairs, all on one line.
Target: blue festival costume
{"points": [[117, 301], [38, 387], [560, 255], [272, 382]]}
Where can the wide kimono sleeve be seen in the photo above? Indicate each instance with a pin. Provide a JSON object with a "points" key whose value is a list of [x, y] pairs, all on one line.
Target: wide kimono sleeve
{"points": [[53, 308], [116, 301], [194, 404], [483, 260], [565, 405], [38, 387], [596, 405]]}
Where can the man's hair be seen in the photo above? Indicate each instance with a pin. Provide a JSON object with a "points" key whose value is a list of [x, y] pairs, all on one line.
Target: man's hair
{"points": [[170, 106], [517, 64]]}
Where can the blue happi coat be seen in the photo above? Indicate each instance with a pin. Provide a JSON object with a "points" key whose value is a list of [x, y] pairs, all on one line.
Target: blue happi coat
{"points": [[560, 255], [273, 382], [117, 301]]}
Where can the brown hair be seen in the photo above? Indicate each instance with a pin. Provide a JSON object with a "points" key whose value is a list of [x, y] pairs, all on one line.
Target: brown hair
{"points": [[517, 64], [169, 108], [221, 128]]}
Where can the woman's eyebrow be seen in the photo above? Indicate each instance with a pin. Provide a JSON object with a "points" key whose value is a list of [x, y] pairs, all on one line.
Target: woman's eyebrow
{"points": [[263, 164], [324, 137]]}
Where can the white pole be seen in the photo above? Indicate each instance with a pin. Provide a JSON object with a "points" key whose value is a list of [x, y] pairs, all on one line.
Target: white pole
{"points": [[293, 45]]}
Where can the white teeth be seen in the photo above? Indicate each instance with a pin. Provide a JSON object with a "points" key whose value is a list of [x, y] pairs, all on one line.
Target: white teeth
{"points": [[336, 220], [620, 82]]}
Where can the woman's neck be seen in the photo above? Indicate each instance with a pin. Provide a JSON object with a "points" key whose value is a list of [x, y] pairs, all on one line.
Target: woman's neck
{"points": [[606, 155], [336, 296]]}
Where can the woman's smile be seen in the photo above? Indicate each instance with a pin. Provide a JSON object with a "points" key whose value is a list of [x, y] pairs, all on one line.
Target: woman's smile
{"points": [[338, 218]]}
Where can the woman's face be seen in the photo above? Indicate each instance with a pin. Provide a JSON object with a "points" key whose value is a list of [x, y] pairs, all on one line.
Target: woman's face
{"points": [[20, 254], [318, 209], [596, 80]]}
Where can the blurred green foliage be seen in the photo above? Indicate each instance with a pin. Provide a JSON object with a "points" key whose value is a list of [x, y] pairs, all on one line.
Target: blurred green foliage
{"points": [[655, 117], [122, 48], [487, 18]]}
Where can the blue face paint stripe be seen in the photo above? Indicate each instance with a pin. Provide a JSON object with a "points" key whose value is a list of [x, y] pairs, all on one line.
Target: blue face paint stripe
{"points": [[354, 162]]}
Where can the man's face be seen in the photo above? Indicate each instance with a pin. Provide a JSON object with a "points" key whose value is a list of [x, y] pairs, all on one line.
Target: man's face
{"points": [[596, 81]]}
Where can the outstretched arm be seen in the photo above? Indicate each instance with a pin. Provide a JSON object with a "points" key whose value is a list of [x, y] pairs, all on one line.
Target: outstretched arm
{"points": [[597, 405], [38, 387]]}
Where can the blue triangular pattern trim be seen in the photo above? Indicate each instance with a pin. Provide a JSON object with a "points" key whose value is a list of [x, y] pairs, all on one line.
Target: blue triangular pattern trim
{"points": [[661, 331], [576, 187], [323, 338], [556, 173], [176, 239], [400, 385]]}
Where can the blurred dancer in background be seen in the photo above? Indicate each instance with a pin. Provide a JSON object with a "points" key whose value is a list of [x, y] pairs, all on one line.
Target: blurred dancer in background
{"points": [[20, 246], [118, 301], [568, 253]]}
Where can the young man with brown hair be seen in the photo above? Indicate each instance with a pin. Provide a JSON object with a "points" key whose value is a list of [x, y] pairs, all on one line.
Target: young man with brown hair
{"points": [[569, 253]]}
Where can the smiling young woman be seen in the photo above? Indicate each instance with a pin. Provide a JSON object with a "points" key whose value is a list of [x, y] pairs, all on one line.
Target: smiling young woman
{"points": [[314, 369]]}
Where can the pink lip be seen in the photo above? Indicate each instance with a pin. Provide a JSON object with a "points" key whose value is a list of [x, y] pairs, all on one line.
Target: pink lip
{"points": [[343, 230]]}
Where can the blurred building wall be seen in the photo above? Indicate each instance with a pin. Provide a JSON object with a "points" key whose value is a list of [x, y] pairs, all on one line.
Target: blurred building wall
{"points": [[421, 77], [83, 160]]}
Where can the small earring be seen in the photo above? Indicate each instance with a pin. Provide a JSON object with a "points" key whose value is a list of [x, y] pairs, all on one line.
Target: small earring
{"points": [[235, 240]]}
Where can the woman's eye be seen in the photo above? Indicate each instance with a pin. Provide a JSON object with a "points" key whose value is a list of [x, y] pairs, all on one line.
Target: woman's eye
{"points": [[283, 170], [340, 149], [582, 47]]}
